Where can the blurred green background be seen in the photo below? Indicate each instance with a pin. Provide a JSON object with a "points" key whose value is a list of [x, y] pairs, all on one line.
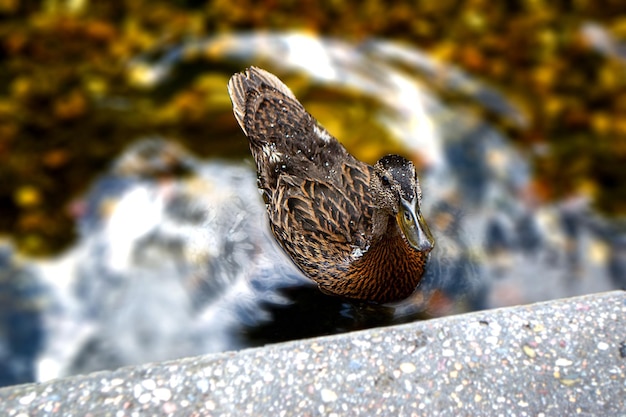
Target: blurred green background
{"points": [[69, 103]]}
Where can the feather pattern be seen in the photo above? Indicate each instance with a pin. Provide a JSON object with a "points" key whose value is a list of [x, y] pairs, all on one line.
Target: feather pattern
{"points": [[320, 201]]}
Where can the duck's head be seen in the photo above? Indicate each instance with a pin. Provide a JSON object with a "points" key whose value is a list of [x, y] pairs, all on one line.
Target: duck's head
{"points": [[397, 192]]}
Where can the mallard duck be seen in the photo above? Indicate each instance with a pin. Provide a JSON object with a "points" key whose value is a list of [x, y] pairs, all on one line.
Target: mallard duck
{"points": [[356, 230]]}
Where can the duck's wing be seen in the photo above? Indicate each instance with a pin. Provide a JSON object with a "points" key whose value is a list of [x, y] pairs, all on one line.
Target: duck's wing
{"points": [[319, 224], [316, 189]]}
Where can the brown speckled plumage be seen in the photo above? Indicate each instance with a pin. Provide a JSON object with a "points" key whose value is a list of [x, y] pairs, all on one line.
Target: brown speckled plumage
{"points": [[354, 229]]}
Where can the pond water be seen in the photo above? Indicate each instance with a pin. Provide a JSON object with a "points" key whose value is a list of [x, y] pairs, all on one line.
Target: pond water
{"points": [[175, 259]]}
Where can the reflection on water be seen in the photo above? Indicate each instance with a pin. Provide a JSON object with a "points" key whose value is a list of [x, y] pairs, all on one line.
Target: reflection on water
{"points": [[175, 257]]}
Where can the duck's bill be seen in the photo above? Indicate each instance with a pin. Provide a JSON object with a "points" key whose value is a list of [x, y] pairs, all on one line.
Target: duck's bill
{"points": [[414, 227]]}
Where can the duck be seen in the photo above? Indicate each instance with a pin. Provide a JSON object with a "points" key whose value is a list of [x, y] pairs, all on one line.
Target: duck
{"points": [[355, 229]]}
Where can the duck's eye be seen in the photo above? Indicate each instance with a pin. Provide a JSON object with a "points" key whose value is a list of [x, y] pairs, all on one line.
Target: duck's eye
{"points": [[385, 180]]}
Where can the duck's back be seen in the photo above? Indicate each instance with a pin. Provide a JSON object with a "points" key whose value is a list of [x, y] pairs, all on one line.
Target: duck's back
{"points": [[317, 194]]}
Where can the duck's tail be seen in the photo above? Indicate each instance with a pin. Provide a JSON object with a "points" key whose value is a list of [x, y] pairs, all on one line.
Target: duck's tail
{"points": [[252, 81]]}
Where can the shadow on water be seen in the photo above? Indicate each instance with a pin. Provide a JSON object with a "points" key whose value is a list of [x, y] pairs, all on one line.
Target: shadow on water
{"points": [[311, 313], [175, 258]]}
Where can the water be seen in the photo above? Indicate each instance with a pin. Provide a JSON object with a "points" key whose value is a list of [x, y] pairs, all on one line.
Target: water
{"points": [[175, 258]]}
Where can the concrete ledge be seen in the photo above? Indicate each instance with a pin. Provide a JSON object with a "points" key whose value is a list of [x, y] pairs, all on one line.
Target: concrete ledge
{"points": [[559, 358]]}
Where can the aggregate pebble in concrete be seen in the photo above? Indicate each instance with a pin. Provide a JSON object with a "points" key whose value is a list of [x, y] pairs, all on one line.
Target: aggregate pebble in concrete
{"points": [[559, 358]]}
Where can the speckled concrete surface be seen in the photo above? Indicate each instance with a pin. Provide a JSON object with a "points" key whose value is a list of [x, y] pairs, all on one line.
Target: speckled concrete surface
{"points": [[559, 358]]}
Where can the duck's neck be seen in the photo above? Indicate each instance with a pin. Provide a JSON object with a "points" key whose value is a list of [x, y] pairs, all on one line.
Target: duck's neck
{"points": [[383, 225], [380, 221]]}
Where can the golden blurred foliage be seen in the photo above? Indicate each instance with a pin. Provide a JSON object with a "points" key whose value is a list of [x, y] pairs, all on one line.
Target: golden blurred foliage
{"points": [[68, 103]]}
